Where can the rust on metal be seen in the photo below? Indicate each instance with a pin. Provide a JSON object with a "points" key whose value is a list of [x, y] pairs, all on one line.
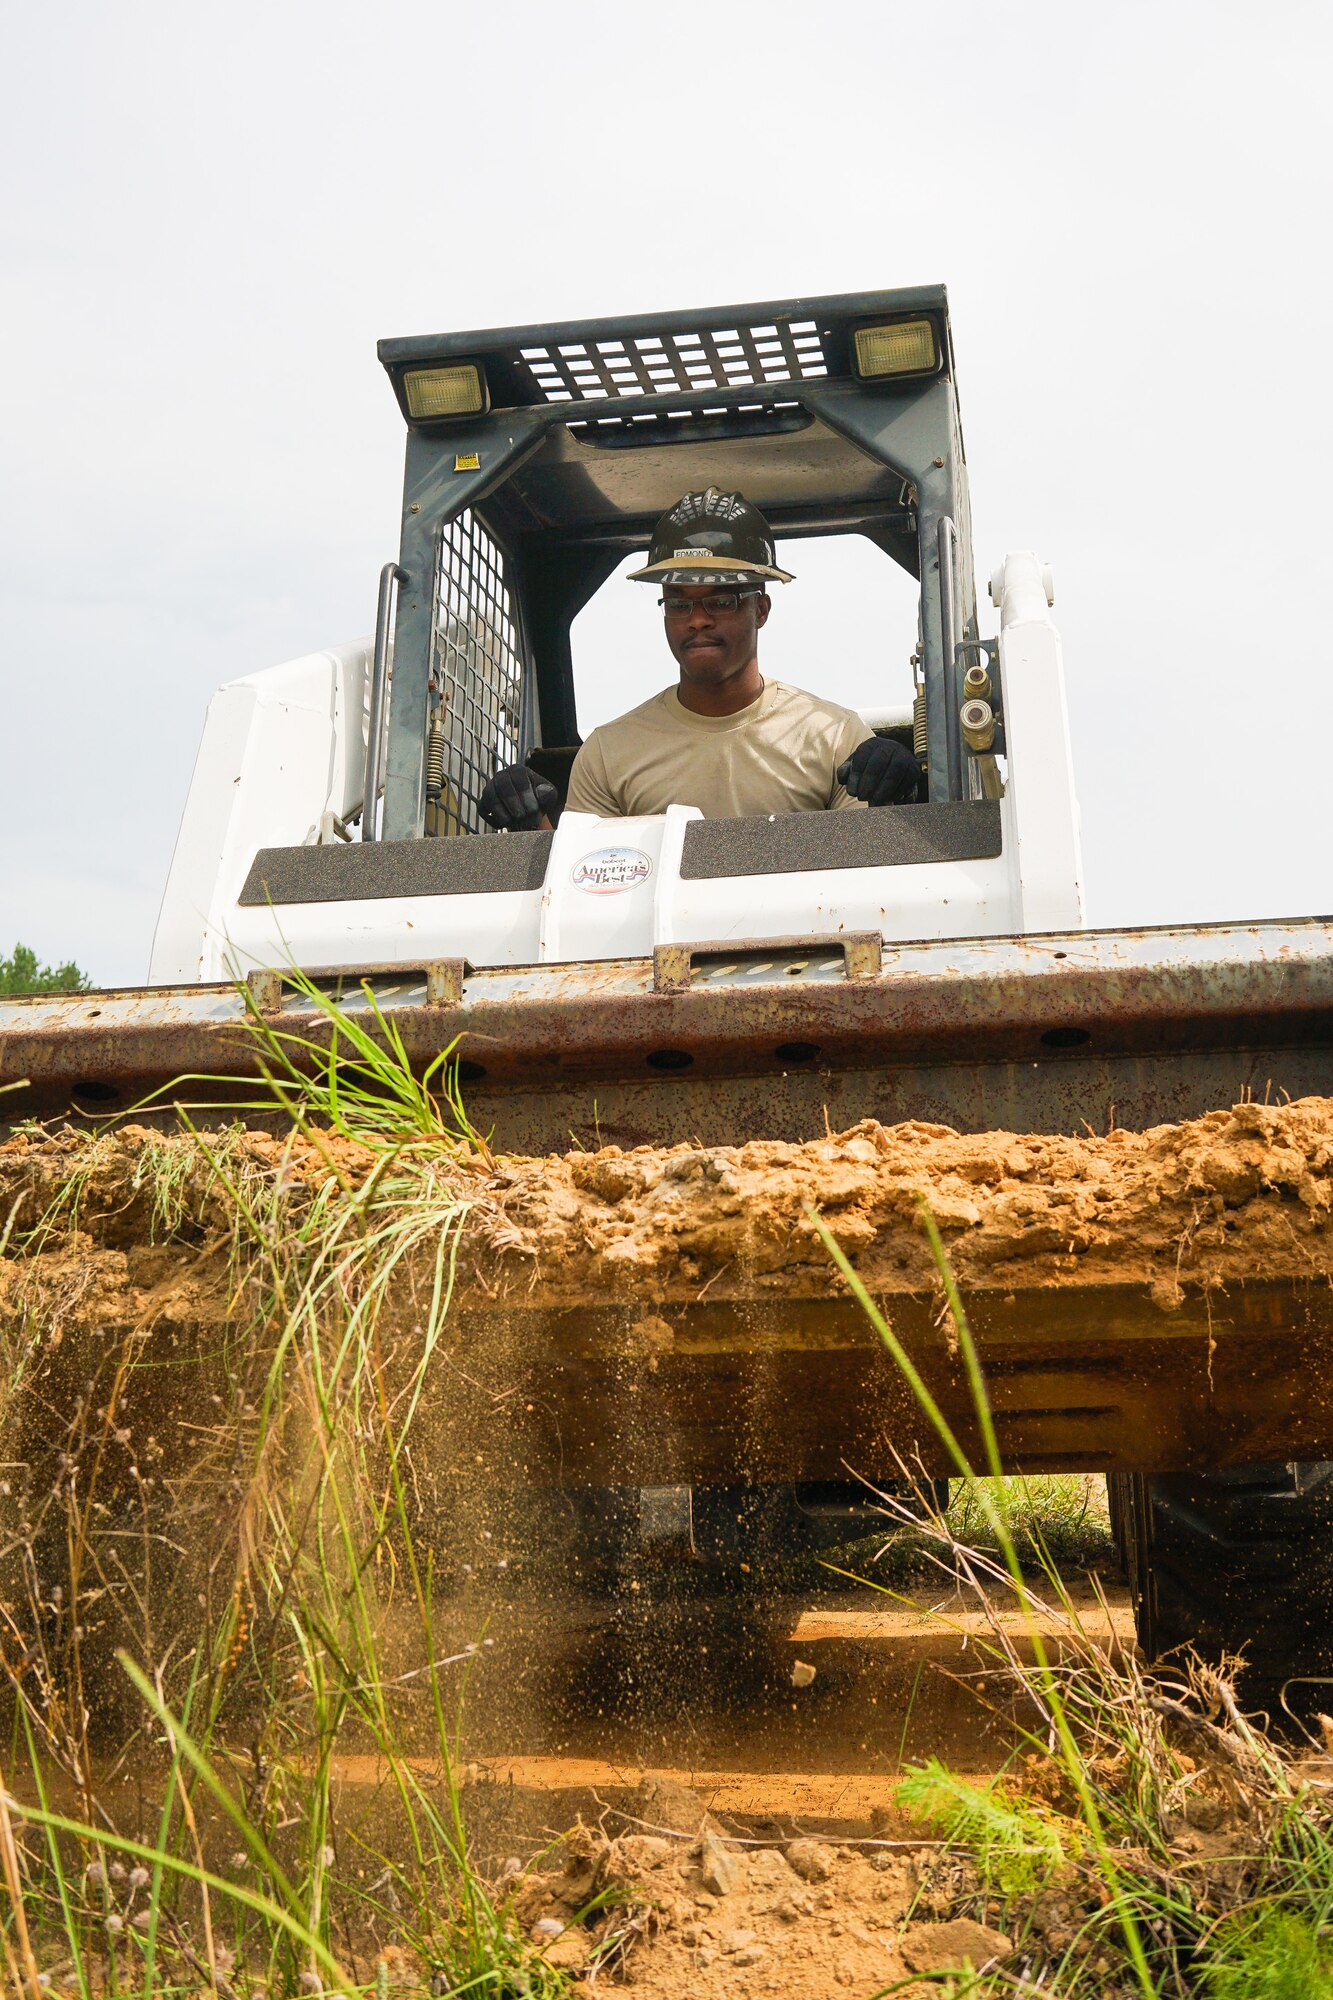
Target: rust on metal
{"points": [[1036, 1034], [443, 978], [673, 964], [444, 982], [1093, 1377], [265, 989]]}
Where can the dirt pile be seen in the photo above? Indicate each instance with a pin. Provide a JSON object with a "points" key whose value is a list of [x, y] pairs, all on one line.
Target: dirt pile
{"points": [[673, 1314], [688, 1910], [1244, 1190], [1239, 1193]]}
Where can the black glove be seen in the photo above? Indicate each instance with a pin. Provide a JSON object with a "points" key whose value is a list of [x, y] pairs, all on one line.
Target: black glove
{"points": [[881, 772], [516, 799]]}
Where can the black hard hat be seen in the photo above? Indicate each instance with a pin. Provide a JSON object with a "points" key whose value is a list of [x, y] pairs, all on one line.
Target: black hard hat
{"points": [[711, 537]]}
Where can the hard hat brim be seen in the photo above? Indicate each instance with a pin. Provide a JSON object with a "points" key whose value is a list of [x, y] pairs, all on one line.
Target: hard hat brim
{"points": [[705, 568]]}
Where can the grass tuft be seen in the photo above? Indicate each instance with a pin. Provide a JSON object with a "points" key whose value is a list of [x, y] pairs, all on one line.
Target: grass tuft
{"points": [[1269, 1954], [1016, 1845], [1123, 1897], [234, 1514]]}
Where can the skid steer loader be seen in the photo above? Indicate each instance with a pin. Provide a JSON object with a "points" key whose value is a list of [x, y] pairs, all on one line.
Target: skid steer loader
{"points": [[673, 977]]}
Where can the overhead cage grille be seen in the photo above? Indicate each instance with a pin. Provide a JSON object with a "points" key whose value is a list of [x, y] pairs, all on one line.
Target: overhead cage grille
{"points": [[477, 678], [623, 428], [653, 364]]}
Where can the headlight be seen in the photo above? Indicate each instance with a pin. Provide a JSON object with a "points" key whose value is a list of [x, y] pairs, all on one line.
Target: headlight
{"points": [[444, 392], [905, 348]]}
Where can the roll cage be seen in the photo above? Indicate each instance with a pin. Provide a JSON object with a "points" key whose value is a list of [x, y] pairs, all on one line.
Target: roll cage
{"points": [[514, 515]]}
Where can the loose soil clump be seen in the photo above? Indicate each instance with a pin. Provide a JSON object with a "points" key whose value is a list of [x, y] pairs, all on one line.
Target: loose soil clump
{"points": [[806, 1921], [1233, 1195]]}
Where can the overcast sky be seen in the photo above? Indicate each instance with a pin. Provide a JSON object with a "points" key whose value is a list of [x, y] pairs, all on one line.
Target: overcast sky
{"points": [[211, 213]]}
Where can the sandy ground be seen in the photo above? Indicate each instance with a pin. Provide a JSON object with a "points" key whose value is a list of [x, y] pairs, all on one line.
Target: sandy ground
{"points": [[713, 1917], [725, 1833], [771, 1857]]}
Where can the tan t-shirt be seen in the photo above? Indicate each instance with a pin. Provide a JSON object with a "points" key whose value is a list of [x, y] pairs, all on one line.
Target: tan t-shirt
{"points": [[777, 755]]}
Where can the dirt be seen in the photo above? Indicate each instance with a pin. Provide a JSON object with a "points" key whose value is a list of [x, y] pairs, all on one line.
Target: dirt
{"points": [[695, 1912], [1237, 1193], [705, 1690], [1238, 1190], [672, 1315], [734, 1809], [774, 1860], [657, 1888], [130, 1233]]}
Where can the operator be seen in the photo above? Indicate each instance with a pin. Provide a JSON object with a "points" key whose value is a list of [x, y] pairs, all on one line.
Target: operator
{"points": [[723, 739]]}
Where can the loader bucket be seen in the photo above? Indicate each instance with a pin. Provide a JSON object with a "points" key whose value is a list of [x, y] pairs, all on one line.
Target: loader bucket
{"points": [[1192, 1329]]}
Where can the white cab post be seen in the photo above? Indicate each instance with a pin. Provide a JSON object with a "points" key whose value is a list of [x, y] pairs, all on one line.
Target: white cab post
{"points": [[1041, 812], [611, 885], [280, 750]]}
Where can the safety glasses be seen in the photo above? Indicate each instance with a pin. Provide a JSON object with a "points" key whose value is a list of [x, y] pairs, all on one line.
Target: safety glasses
{"points": [[717, 601]]}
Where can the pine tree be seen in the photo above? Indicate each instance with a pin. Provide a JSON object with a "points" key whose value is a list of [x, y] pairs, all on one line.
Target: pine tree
{"points": [[20, 973]]}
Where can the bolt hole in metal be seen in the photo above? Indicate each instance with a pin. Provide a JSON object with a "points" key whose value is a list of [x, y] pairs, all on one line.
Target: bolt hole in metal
{"points": [[94, 1092], [796, 1052], [470, 1072], [1065, 1038], [669, 1059]]}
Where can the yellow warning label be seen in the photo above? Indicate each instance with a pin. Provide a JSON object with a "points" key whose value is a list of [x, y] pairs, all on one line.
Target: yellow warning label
{"points": [[467, 461]]}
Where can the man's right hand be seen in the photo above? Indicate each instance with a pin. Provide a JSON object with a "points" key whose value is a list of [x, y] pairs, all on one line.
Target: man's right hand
{"points": [[516, 800]]}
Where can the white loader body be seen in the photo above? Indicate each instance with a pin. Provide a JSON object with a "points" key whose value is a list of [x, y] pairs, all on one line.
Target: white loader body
{"points": [[283, 755]]}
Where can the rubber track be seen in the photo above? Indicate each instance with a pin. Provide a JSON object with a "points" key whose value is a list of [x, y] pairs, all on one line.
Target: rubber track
{"points": [[1230, 1560]]}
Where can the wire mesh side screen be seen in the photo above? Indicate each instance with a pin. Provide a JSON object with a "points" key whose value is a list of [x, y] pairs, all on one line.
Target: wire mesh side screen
{"points": [[477, 678]]}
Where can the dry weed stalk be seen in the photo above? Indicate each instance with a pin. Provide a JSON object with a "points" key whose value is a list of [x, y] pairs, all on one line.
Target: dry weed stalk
{"points": [[1143, 1759], [219, 1502]]}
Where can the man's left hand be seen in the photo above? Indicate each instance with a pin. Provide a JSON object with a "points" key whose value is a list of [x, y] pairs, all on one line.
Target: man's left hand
{"points": [[881, 772]]}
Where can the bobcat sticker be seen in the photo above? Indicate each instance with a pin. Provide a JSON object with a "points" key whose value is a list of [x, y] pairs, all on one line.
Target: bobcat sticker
{"points": [[608, 870]]}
